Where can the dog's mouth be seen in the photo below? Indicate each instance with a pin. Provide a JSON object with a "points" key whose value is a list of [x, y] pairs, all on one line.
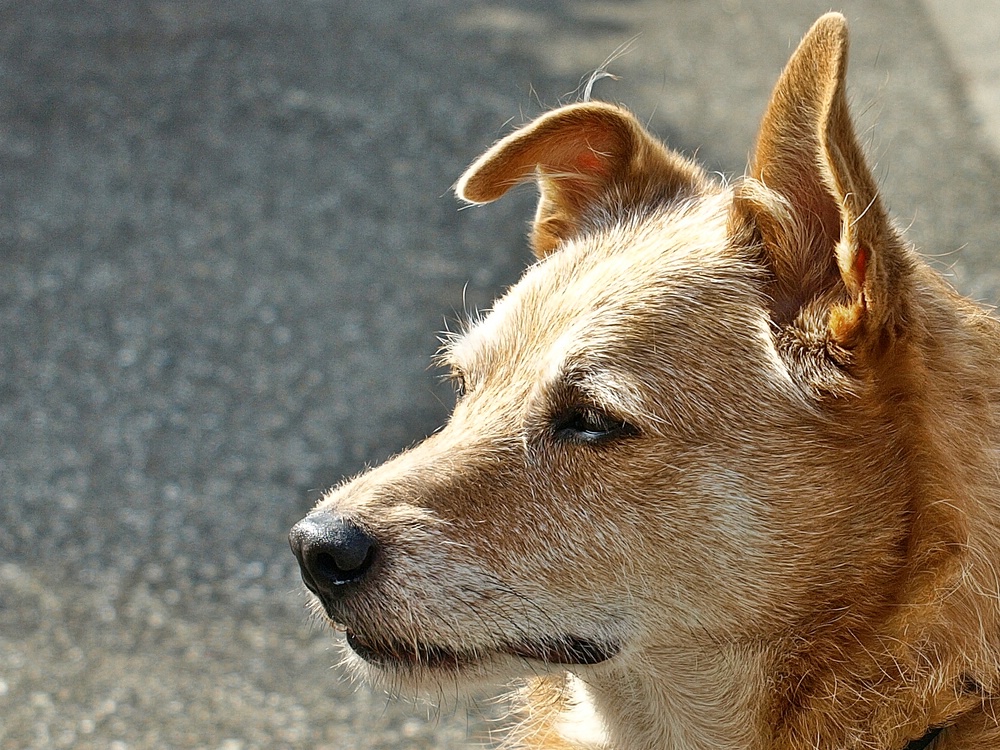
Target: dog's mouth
{"points": [[567, 651]]}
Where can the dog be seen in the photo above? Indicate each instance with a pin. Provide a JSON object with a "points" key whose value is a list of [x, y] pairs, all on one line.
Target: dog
{"points": [[724, 466]]}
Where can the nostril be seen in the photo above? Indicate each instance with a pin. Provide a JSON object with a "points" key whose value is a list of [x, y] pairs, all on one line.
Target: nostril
{"points": [[343, 567], [331, 551]]}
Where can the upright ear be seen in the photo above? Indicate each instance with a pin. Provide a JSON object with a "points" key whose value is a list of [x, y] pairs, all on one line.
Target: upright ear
{"points": [[828, 241], [592, 161]]}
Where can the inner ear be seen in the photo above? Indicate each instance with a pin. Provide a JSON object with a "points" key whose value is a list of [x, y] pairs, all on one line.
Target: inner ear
{"points": [[593, 162], [576, 147]]}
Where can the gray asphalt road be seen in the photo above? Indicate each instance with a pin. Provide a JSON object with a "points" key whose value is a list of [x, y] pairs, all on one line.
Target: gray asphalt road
{"points": [[226, 246]]}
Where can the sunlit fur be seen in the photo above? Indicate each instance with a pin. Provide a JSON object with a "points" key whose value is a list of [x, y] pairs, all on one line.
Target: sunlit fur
{"points": [[794, 544]]}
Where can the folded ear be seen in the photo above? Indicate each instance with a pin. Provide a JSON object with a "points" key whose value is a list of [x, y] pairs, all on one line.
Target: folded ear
{"points": [[827, 237], [592, 161]]}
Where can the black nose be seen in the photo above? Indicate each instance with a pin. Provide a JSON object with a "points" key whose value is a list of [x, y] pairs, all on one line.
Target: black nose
{"points": [[332, 552]]}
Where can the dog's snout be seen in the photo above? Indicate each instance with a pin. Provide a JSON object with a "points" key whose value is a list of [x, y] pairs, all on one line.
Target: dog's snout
{"points": [[332, 552]]}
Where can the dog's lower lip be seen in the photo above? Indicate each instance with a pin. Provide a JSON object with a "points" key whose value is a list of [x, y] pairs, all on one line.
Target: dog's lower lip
{"points": [[567, 651], [385, 654]]}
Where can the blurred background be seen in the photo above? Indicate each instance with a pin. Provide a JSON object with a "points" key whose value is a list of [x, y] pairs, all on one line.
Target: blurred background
{"points": [[227, 244]]}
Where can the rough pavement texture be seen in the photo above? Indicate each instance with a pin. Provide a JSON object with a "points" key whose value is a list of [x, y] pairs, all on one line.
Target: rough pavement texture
{"points": [[226, 247]]}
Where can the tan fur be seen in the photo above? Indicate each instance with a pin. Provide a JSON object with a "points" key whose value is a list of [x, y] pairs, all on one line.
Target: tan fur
{"points": [[794, 543]]}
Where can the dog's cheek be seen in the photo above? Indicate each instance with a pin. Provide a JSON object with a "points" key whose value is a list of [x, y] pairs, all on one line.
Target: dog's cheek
{"points": [[695, 529]]}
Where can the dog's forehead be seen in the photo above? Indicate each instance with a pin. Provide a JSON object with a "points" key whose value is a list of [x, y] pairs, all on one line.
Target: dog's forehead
{"points": [[596, 295]]}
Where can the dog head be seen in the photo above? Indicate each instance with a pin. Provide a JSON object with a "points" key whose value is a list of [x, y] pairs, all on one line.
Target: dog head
{"points": [[668, 434]]}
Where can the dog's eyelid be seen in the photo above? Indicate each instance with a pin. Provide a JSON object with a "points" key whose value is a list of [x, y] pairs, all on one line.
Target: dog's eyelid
{"points": [[600, 392]]}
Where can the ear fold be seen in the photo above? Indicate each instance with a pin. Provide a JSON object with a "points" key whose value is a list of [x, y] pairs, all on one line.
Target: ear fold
{"points": [[830, 239], [584, 157]]}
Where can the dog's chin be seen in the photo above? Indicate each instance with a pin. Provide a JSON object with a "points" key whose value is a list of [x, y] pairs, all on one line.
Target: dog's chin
{"points": [[502, 661]]}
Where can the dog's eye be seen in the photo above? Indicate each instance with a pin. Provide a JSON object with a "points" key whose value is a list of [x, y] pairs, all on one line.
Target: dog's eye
{"points": [[457, 379], [590, 425]]}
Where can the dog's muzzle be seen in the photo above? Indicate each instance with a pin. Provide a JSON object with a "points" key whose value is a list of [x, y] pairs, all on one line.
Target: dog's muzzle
{"points": [[337, 558]]}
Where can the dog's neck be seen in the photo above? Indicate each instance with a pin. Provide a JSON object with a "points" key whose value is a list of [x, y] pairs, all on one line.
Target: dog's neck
{"points": [[718, 699], [697, 700]]}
